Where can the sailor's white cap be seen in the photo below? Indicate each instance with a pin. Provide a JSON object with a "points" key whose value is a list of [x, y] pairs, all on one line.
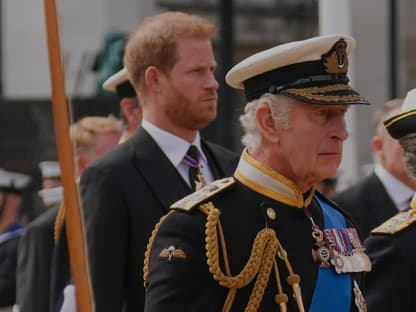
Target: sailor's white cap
{"points": [[119, 83], [14, 182], [50, 169], [405, 122]]}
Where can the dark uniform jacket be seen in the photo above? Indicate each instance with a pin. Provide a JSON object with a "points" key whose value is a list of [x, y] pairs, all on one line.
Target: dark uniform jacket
{"points": [[124, 193], [390, 286], [60, 271], [368, 203], [34, 263], [179, 278], [8, 263]]}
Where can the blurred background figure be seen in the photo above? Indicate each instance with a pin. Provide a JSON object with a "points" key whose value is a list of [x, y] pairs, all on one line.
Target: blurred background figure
{"points": [[131, 117], [327, 186], [51, 173], [52, 191], [92, 137], [390, 286], [130, 110], [388, 189], [12, 186]]}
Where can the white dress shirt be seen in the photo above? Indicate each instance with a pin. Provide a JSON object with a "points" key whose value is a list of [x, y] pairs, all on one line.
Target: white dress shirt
{"points": [[399, 192], [175, 149]]}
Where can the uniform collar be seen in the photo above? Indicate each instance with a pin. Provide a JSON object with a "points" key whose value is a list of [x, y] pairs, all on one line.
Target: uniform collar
{"points": [[270, 183]]}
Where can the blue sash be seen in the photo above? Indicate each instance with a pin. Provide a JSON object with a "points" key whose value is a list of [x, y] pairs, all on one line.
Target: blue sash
{"points": [[11, 232], [332, 291]]}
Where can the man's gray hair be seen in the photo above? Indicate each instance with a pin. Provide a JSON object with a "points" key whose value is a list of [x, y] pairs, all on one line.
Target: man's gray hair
{"points": [[383, 112], [279, 106], [408, 144]]}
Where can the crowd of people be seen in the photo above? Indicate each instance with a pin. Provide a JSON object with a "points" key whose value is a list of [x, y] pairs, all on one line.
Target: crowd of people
{"points": [[174, 222]]}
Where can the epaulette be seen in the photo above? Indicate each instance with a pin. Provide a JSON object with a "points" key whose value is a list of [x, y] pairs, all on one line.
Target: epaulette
{"points": [[396, 223], [192, 200]]}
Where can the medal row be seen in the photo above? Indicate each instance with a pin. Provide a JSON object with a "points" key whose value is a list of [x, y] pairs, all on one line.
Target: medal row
{"points": [[343, 249]]}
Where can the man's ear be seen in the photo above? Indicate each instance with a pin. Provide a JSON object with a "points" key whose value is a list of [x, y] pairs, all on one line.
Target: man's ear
{"points": [[266, 123], [125, 106], [376, 143], [131, 113], [152, 77], [81, 163]]}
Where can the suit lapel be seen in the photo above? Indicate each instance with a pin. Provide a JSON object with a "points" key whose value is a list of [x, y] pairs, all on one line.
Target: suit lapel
{"points": [[381, 201], [220, 161], [158, 172]]}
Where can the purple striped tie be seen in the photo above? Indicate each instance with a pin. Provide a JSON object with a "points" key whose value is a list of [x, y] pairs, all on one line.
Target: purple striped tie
{"points": [[191, 159]]}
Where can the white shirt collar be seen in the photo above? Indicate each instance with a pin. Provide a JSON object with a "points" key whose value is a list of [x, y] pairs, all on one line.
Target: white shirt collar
{"points": [[397, 190], [174, 147]]}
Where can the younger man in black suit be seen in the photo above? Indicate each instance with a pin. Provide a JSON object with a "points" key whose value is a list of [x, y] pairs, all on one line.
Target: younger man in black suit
{"points": [[171, 64]]}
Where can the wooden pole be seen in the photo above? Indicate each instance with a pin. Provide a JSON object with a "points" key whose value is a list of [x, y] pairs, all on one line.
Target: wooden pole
{"points": [[73, 215]]}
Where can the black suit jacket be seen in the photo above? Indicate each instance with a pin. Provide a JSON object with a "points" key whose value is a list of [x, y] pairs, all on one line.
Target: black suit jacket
{"points": [[124, 194], [34, 263], [368, 203], [60, 272], [8, 259]]}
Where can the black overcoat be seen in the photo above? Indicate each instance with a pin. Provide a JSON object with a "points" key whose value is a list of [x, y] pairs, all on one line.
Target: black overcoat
{"points": [[368, 203]]}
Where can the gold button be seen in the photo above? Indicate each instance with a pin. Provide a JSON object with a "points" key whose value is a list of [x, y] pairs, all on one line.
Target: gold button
{"points": [[271, 213]]}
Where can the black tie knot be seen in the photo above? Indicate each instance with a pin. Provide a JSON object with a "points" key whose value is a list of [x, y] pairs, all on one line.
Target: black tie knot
{"points": [[191, 157]]}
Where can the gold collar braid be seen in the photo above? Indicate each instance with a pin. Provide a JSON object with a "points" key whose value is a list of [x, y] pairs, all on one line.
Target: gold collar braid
{"points": [[270, 183]]}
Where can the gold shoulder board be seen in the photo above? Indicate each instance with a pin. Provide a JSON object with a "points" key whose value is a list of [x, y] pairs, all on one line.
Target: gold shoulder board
{"points": [[396, 223], [192, 200]]}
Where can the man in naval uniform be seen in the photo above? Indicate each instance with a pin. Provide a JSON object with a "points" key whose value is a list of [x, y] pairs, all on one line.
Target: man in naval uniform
{"points": [[130, 110], [36, 244], [390, 286], [265, 238], [388, 188], [12, 187], [43, 263]]}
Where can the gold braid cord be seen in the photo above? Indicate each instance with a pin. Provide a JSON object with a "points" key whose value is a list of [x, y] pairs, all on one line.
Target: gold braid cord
{"points": [[149, 246], [59, 222], [260, 264]]}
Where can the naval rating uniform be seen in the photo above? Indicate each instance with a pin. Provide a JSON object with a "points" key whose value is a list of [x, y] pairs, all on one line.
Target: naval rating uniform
{"points": [[254, 242], [390, 286]]}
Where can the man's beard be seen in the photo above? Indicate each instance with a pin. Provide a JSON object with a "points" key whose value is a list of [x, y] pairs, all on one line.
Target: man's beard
{"points": [[186, 114]]}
